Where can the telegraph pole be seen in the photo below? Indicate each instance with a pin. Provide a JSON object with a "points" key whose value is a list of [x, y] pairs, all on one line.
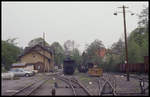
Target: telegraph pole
{"points": [[126, 46]]}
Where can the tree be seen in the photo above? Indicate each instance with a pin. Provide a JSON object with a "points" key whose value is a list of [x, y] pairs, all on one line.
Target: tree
{"points": [[76, 56], [58, 53], [94, 47], [10, 53], [118, 47], [12, 41], [92, 50], [134, 52], [115, 55], [137, 45], [143, 17], [138, 40], [36, 41]]}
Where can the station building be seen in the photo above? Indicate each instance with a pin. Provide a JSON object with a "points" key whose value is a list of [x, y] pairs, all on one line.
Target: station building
{"points": [[36, 58]]}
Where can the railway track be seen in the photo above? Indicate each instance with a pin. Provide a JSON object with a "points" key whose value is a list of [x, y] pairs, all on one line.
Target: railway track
{"points": [[77, 88], [111, 81], [145, 79], [107, 85], [29, 89], [135, 76]]}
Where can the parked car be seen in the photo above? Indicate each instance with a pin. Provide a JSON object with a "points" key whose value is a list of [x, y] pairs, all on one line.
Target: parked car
{"points": [[35, 71], [21, 72], [7, 75]]}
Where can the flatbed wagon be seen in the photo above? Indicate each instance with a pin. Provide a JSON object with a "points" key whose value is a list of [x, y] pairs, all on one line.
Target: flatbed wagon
{"points": [[95, 71]]}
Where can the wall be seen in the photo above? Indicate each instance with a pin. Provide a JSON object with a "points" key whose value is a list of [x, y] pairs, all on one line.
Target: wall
{"points": [[29, 67], [26, 67], [33, 57], [44, 52]]}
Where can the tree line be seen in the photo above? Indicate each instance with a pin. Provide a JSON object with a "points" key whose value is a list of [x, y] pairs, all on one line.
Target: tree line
{"points": [[138, 45]]}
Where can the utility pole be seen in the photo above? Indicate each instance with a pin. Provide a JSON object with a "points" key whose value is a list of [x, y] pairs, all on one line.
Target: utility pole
{"points": [[126, 46]]}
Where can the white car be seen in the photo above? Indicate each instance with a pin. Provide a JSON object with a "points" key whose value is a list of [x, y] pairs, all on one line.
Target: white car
{"points": [[21, 72], [7, 75]]}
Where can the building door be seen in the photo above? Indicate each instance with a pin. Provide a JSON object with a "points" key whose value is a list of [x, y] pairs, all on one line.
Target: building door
{"points": [[39, 67]]}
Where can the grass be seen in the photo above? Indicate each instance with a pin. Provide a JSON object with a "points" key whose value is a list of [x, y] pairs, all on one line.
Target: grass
{"points": [[84, 78], [51, 81], [76, 72]]}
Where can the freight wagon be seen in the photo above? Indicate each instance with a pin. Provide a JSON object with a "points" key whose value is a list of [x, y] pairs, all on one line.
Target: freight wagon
{"points": [[137, 67]]}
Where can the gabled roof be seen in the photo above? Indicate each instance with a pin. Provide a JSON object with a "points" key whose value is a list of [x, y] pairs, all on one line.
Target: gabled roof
{"points": [[24, 64], [35, 52], [29, 49], [44, 48], [19, 64]]}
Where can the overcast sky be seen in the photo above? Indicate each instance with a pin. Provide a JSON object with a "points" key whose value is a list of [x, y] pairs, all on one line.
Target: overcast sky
{"points": [[82, 22]]}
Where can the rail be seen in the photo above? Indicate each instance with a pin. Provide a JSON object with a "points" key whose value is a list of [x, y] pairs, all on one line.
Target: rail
{"points": [[107, 80], [29, 89], [72, 82]]}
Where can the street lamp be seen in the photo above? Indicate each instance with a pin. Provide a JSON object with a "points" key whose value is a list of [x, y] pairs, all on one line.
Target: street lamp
{"points": [[126, 48]]}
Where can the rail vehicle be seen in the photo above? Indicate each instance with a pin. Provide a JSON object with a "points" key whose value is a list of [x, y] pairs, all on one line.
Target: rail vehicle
{"points": [[69, 66], [91, 69], [136, 67], [82, 68], [95, 71], [90, 65]]}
